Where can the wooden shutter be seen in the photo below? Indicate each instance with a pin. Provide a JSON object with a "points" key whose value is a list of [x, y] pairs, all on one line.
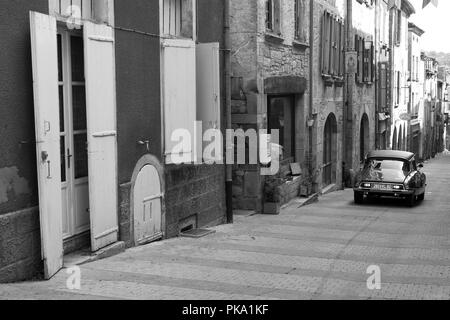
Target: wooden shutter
{"points": [[46, 109], [277, 16], [326, 44], [383, 83], [208, 87], [341, 49], [179, 92], [332, 45], [102, 137]]}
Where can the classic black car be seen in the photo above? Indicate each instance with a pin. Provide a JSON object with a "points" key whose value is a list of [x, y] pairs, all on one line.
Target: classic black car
{"points": [[391, 173]]}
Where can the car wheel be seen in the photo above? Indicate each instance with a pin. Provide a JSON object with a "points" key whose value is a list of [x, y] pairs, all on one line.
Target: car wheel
{"points": [[359, 197], [421, 197], [412, 200]]}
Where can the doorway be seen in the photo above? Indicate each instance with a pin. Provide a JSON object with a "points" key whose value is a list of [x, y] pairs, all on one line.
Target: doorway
{"points": [[329, 151], [364, 137], [147, 202], [73, 141]]}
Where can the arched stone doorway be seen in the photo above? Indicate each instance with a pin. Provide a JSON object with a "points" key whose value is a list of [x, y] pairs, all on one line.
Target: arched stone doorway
{"points": [[364, 137], [329, 151]]}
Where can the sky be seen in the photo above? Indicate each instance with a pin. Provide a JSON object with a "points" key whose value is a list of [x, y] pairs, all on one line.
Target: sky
{"points": [[435, 22]]}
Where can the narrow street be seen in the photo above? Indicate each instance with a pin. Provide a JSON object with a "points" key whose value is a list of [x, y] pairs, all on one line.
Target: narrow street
{"points": [[321, 251]]}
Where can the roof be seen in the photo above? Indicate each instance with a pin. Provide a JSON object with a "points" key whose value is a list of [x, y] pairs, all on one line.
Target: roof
{"points": [[414, 28], [390, 154]]}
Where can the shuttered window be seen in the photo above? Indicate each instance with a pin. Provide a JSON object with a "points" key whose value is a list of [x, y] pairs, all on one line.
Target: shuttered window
{"points": [[332, 45], [273, 16], [383, 85], [300, 18], [366, 68]]}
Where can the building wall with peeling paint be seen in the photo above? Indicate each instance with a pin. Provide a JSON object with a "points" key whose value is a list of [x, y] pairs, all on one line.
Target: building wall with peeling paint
{"points": [[18, 182], [19, 215]]}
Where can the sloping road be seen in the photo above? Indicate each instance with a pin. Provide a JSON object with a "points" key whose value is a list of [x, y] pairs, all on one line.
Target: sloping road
{"points": [[317, 252]]}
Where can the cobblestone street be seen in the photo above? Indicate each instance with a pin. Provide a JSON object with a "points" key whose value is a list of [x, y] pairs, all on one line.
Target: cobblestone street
{"points": [[321, 251]]}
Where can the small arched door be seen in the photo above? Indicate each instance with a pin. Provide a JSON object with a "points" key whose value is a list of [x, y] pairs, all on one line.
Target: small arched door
{"points": [[147, 206]]}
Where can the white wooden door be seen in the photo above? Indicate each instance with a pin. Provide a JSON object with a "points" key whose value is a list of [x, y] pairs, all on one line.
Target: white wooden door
{"points": [[147, 205], [46, 109], [102, 143]]}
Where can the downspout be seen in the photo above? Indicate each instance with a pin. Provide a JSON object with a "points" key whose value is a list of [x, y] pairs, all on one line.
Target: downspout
{"points": [[227, 84], [348, 105], [311, 86], [376, 78]]}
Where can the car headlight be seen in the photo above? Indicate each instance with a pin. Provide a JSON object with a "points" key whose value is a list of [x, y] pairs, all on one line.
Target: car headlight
{"points": [[366, 185], [398, 187]]}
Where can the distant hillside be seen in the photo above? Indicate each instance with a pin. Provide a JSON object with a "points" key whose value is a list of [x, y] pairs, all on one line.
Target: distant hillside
{"points": [[442, 57]]}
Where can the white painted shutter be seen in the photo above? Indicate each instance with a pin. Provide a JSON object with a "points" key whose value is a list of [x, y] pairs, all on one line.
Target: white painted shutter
{"points": [[179, 92], [208, 85], [46, 110], [102, 137]]}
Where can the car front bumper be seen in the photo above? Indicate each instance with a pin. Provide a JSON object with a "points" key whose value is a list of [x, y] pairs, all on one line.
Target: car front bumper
{"points": [[385, 193]]}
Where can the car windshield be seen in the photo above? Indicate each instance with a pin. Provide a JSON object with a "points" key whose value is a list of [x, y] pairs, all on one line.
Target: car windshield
{"points": [[387, 169]]}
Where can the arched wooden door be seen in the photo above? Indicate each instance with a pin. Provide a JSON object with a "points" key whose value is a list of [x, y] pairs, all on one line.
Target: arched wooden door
{"points": [[147, 206]]}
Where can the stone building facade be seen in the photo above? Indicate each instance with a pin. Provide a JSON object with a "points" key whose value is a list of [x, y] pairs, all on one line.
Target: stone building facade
{"points": [[270, 68], [400, 13], [416, 74], [360, 137]]}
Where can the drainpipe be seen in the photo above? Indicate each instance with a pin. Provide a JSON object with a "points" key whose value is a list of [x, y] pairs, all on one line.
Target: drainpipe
{"points": [[227, 84], [348, 106], [377, 52], [311, 85]]}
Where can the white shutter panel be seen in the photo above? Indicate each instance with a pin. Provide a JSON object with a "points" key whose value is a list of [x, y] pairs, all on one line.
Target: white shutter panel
{"points": [[208, 90], [46, 110], [179, 94], [102, 138], [208, 85]]}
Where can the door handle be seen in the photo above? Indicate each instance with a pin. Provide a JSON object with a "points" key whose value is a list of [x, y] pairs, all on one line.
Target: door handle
{"points": [[69, 157], [49, 176]]}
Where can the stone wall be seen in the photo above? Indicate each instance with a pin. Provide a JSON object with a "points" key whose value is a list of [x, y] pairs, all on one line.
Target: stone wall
{"points": [[194, 193], [20, 246]]}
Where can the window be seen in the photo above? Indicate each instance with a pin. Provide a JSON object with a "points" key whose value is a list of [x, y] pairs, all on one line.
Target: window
{"points": [[366, 69], [332, 46], [383, 83], [281, 116], [99, 11], [300, 18], [273, 16], [398, 27], [397, 88], [178, 18]]}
